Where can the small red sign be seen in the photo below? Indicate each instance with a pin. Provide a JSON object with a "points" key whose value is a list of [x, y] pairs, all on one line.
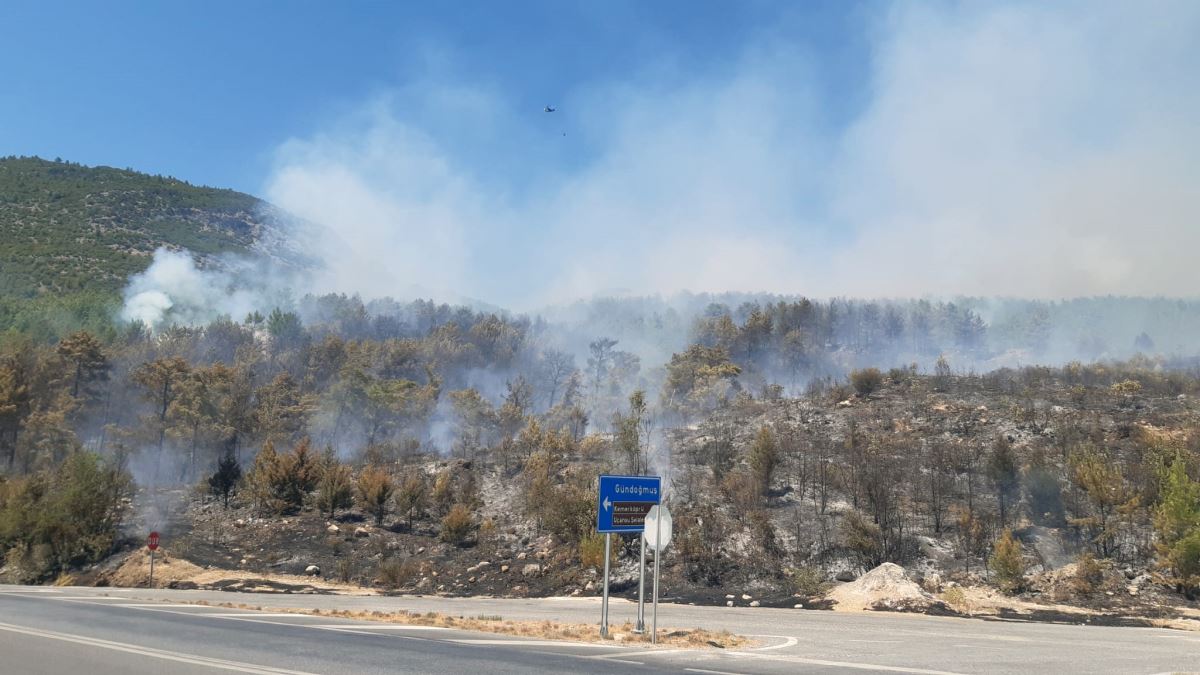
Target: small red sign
{"points": [[152, 542]]}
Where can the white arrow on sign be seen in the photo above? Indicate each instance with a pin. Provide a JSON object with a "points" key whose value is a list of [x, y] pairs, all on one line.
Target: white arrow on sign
{"points": [[607, 504], [658, 524]]}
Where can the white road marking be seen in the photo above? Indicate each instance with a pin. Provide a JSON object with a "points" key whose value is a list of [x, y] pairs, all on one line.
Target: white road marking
{"points": [[390, 626], [219, 664], [844, 664], [645, 652], [714, 672], [980, 647], [164, 605], [788, 641], [81, 598], [22, 591], [530, 643], [254, 615]]}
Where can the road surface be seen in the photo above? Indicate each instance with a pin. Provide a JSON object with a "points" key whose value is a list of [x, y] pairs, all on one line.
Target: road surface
{"points": [[109, 631]]}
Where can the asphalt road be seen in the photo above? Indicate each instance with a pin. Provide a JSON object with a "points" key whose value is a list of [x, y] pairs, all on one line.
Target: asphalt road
{"points": [[108, 630]]}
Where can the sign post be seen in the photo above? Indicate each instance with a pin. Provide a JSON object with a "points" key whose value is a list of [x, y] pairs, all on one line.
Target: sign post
{"points": [[604, 603], [658, 532], [624, 503], [152, 544], [641, 619]]}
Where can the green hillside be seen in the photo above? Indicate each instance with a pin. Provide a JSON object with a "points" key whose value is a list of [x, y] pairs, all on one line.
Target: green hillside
{"points": [[70, 235]]}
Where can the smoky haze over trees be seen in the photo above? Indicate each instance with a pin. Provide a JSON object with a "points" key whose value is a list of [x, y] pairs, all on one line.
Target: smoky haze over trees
{"points": [[403, 376], [330, 403]]}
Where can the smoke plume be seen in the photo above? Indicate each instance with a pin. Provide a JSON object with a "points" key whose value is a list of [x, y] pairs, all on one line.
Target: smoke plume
{"points": [[1020, 150], [1024, 150]]}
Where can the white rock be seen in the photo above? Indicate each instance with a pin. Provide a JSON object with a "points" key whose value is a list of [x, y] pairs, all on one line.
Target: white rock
{"points": [[729, 603], [361, 532], [531, 569], [746, 596], [798, 606], [755, 603], [730, 596], [312, 570], [333, 529]]}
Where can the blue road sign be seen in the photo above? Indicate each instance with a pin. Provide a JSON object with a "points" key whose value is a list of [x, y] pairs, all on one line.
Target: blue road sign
{"points": [[625, 501]]}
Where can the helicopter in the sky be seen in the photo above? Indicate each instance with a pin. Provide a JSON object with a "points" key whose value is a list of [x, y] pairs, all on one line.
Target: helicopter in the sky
{"points": [[549, 108]]}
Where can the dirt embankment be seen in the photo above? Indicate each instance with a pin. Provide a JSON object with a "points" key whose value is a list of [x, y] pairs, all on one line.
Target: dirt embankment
{"points": [[887, 588], [133, 571]]}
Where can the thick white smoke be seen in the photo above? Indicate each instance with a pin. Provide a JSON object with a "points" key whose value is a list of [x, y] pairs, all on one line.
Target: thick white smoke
{"points": [[1018, 150], [1025, 149], [174, 289]]}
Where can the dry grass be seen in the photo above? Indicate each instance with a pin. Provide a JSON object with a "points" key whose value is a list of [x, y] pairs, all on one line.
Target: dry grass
{"points": [[957, 599], [542, 630], [134, 572], [1177, 624]]}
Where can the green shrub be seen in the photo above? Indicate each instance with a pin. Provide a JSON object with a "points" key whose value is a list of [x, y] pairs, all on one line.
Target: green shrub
{"points": [[863, 538], [1177, 523], [866, 381], [591, 552], [956, 598], [809, 581], [457, 525], [66, 517], [393, 574], [1008, 563], [1089, 575]]}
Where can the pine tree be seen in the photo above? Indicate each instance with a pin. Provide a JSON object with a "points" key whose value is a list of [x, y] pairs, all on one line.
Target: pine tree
{"points": [[1177, 522], [1005, 473], [764, 458], [333, 488], [411, 498], [375, 489], [263, 477], [226, 477]]}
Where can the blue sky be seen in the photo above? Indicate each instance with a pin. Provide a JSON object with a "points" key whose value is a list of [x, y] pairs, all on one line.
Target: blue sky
{"points": [[831, 148], [207, 91]]}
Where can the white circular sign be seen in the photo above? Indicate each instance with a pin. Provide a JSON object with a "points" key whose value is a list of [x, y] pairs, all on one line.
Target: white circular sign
{"points": [[658, 526]]}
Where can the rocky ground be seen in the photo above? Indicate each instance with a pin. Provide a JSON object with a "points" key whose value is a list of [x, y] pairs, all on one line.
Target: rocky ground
{"points": [[208, 545]]}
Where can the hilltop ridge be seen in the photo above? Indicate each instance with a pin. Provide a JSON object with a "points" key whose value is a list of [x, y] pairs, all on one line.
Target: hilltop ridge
{"points": [[71, 236], [67, 227]]}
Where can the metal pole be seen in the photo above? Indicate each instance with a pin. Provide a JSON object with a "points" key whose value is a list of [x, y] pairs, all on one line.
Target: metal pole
{"points": [[604, 605], [151, 569], [657, 564], [641, 619]]}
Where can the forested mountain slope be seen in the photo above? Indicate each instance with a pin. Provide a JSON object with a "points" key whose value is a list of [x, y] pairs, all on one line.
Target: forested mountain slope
{"points": [[70, 235]]}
